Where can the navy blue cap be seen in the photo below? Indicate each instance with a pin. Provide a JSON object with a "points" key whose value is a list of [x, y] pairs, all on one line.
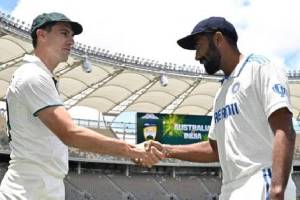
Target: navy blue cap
{"points": [[46, 18], [211, 24]]}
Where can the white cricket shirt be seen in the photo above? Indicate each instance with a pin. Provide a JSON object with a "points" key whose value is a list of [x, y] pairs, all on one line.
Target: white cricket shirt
{"points": [[254, 90], [32, 89]]}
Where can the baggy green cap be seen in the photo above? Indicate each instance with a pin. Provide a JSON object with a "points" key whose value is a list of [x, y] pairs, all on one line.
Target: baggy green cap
{"points": [[46, 18]]}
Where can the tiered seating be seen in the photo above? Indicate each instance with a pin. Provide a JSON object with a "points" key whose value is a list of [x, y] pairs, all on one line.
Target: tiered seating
{"points": [[2, 122], [77, 153], [72, 193], [3, 136], [3, 169], [297, 148], [296, 178], [213, 183], [185, 187], [141, 186], [94, 184]]}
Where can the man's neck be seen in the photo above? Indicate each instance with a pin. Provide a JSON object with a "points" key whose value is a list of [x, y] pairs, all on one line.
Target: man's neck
{"points": [[231, 62], [49, 62]]}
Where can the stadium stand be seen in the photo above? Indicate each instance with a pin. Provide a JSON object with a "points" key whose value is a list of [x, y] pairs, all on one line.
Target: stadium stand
{"points": [[141, 186], [3, 136], [2, 122], [72, 192], [297, 148], [3, 169], [95, 185], [109, 180], [213, 183], [185, 187], [296, 178]]}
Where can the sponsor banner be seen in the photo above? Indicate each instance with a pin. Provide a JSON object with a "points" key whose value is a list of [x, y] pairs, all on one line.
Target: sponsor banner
{"points": [[171, 128]]}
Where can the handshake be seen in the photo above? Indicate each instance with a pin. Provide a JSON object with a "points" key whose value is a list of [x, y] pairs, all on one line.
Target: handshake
{"points": [[148, 153]]}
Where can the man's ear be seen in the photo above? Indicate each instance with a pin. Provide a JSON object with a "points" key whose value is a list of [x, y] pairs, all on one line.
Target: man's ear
{"points": [[218, 38], [40, 34]]}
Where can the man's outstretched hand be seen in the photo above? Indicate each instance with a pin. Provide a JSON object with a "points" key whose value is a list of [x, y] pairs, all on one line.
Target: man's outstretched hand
{"points": [[146, 156]]}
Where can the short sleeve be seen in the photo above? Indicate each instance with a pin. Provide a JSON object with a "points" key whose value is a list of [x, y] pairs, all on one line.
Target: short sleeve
{"points": [[212, 132], [39, 92], [273, 88]]}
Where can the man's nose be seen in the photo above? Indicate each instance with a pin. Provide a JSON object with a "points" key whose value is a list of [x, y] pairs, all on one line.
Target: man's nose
{"points": [[71, 41]]}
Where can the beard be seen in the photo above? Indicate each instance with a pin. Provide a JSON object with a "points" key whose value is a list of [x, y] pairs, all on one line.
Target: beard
{"points": [[212, 62]]}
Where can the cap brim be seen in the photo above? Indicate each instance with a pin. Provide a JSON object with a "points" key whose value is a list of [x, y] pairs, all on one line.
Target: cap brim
{"points": [[188, 42], [76, 27]]}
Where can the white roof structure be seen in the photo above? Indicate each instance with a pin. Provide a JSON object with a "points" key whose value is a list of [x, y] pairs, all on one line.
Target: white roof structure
{"points": [[120, 82]]}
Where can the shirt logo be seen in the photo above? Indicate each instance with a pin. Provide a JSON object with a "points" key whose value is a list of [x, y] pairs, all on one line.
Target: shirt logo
{"points": [[235, 88], [226, 111], [279, 89]]}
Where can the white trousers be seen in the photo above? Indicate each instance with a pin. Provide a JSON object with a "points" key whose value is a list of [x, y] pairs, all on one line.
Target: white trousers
{"points": [[255, 187], [30, 182]]}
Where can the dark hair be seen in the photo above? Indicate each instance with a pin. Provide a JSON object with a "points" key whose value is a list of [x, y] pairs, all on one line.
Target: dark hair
{"points": [[47, 27], [232, 42], [230, 39]]}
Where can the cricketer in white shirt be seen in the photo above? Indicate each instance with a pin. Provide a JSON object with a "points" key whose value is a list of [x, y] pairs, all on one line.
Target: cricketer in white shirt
{"points": [[36, 152], [253, 91]]}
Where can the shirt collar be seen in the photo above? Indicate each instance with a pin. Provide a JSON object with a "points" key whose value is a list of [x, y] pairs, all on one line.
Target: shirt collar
{"points": [[38, 62], [240, 66], [238, 69]]}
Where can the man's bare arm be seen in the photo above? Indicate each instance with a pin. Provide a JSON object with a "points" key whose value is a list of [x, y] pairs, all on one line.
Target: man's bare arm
{"points": [[283, 150], [58, 120]]}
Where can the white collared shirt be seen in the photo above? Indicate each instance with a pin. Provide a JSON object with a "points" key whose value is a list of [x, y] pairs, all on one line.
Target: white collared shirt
{"points": [[32, 89], [254, 90]]}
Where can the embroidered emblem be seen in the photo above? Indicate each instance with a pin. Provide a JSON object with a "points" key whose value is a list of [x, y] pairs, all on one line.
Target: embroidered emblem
{"points": [[235, 87], [279, 89]]}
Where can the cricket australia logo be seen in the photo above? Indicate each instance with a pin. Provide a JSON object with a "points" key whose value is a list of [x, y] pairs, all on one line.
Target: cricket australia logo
{"points": [[279, 89]]}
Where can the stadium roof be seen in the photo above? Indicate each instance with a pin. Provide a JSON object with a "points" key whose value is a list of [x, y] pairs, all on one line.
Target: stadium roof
{"points": [[120, 82]]}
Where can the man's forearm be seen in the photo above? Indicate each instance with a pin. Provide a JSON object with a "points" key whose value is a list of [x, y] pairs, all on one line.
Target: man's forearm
{"points": [[91, 141], [283, 150], [198, 152]]}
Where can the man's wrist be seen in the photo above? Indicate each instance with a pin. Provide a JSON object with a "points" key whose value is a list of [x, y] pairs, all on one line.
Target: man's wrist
{"points": [[167, 151]]}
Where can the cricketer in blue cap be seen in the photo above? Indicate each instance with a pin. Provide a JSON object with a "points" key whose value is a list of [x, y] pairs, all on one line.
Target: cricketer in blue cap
{"points": [[211, 24], [251, 133]]}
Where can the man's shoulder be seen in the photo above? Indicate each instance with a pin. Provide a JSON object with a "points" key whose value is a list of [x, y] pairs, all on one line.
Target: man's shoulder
{"points": [[29, 70], [263, 63], [258, 59], [263, 66], [29, 74]]}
